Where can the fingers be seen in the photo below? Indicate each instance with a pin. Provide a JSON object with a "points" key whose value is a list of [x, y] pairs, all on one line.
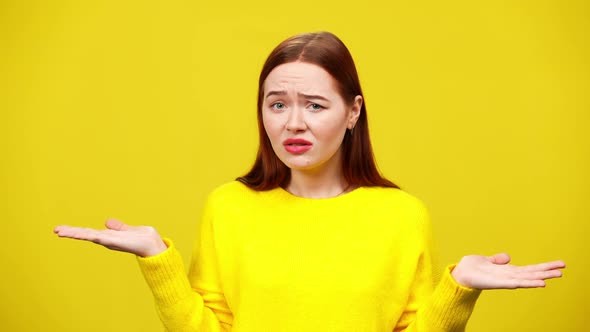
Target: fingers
{"points": [[107, 238], [529, 283], [521, 281], [88, 233], [503, 258], [532, 279], [77, 233], [544, 266], [541, 275], [116, 225]]}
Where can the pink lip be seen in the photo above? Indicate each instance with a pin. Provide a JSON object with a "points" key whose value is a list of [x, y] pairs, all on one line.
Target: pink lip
{"points": [[297, 145]]}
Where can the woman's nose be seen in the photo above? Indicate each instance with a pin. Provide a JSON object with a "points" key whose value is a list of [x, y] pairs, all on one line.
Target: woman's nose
{"points": [[296, 120]]}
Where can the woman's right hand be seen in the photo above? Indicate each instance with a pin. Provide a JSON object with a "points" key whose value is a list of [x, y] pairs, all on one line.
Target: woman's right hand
{"points": [[139, 240]]}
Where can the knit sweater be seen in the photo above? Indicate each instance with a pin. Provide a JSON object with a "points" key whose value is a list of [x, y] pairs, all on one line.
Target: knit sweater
{"points": [[272, 261]]}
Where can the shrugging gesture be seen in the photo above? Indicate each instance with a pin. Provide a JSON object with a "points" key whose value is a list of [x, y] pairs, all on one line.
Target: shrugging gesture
{"points": [[474, 271], [279, 261]]}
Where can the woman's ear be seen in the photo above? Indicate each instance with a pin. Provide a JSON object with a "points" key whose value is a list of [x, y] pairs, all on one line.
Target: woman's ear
{"points": [[355, 111]]}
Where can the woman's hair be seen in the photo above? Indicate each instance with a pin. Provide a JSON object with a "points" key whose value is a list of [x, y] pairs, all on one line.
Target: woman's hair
{"points": [[327, 51]]}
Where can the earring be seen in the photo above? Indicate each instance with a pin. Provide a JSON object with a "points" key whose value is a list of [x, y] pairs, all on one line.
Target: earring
{"points": [[351, 130]]}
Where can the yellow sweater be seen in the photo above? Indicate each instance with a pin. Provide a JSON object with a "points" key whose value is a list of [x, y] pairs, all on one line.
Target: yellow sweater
{"points": [[271, 261]]}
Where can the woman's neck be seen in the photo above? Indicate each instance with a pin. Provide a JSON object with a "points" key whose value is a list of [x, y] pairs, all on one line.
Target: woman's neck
{"points": [[323, 183]]}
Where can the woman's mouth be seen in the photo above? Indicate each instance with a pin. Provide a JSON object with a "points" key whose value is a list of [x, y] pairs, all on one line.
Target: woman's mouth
{"points": [[297, 145]]}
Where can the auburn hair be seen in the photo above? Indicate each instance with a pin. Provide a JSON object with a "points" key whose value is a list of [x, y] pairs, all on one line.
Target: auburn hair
{"points": [[329, 52]]}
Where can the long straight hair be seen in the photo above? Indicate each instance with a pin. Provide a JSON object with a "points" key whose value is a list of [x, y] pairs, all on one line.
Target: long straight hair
{"points": [[329, 52]]}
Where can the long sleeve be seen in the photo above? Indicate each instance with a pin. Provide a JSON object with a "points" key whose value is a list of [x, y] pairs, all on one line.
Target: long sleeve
{"points": [[447, 307], [271, 261], [193, 303], [446, 310]]}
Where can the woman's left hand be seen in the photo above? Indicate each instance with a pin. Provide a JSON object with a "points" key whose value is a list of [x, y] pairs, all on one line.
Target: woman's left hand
{"points": [[494, 272]]}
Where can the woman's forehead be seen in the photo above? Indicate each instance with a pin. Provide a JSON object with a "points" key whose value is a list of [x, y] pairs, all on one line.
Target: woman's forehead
{"points": [[300, 76]]}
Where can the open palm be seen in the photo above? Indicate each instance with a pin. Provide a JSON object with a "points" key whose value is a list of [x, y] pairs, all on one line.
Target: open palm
{"points": [[494, 272], [139, 240]]}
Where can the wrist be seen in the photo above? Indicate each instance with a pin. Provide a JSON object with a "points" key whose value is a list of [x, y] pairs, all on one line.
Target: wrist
{"points": [[459, 277], [158, 248]]}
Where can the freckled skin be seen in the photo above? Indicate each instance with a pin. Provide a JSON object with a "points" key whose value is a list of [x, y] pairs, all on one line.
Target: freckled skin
{"points": [[297, 112]]}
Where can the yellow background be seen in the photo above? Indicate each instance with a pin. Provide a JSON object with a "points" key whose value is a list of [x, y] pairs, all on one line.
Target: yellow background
{"points": [[137, 109]]}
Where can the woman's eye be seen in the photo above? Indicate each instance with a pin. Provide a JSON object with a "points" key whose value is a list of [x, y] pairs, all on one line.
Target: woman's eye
{"points": [[316, 107], [278, 106]]}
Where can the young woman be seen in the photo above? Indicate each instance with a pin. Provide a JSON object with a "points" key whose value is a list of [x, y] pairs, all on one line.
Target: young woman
{"points": [[313, 238]]}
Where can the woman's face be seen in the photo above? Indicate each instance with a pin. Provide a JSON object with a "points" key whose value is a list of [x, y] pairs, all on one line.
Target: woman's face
{"points": [[305, 116]]}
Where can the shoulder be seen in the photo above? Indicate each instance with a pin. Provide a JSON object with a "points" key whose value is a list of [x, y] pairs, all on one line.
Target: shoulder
{"points": [[228, 196], [398, 205], [231, 187], [394, 198], [230, 191]]}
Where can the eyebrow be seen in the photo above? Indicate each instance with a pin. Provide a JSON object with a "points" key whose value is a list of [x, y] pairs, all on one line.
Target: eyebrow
{"points": [[282, 93]]}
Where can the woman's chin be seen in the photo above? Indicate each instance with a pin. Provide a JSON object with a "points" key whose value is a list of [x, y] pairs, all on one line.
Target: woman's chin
{"points": [[300, 165]]}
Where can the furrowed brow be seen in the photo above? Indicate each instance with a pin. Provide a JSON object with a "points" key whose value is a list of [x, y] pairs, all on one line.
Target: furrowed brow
{"points": [[313, 97], [275, 93]]}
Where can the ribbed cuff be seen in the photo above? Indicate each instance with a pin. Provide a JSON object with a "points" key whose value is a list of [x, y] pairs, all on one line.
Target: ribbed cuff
{"points": [[165, 275], [452, 303]]}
